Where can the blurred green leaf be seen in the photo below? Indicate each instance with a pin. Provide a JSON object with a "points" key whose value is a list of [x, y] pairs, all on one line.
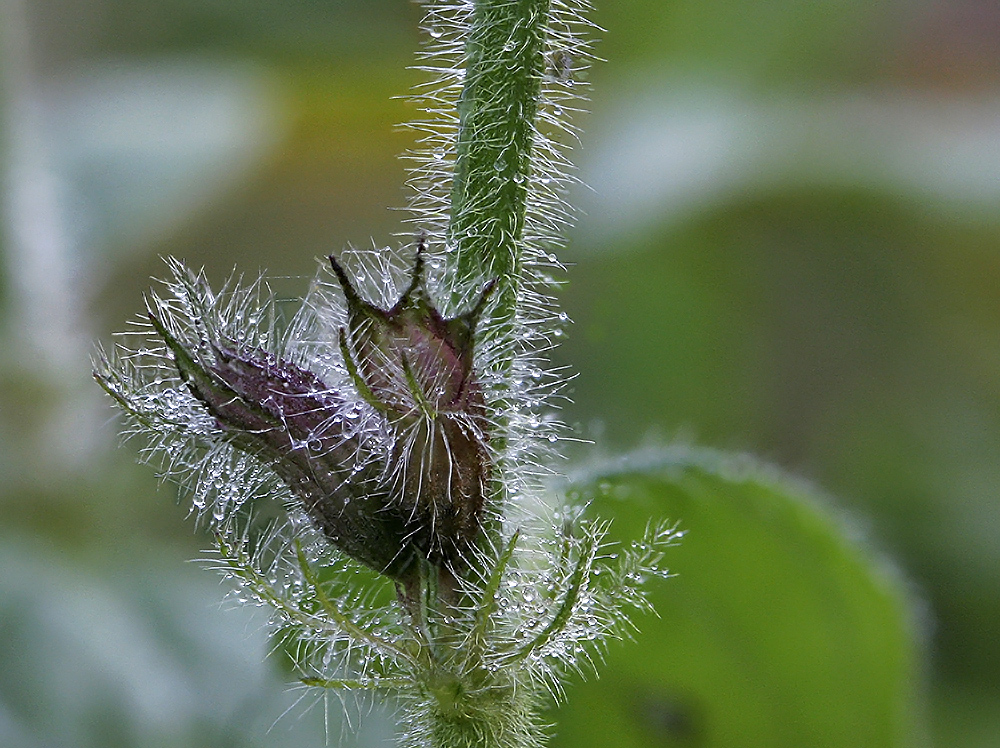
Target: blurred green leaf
{"points": [[777, 630], [141, 656], [780, 40]]}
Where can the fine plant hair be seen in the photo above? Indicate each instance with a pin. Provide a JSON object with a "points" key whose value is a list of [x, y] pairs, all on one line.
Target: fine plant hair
{"points": [[375, 469]]}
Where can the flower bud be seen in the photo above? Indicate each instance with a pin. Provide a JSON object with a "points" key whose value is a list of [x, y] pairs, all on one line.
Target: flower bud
{"points": [[296, 425], [415, 367]]}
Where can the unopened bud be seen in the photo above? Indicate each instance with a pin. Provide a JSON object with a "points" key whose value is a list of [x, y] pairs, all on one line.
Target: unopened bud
{"points": [[415, 367], [295, 424]]}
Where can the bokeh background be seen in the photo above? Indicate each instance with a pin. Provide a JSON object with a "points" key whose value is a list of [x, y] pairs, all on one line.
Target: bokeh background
{"points": [[790, 245]]}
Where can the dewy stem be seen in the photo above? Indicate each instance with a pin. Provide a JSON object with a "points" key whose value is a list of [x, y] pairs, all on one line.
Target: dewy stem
{"points": [[504, 63]]}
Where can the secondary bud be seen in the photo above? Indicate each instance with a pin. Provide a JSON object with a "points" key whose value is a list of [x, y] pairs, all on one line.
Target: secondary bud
{"points": [[296, 425]]}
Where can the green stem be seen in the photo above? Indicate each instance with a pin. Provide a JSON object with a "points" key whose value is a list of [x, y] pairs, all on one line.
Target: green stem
{"points": [[565, 611], [504, 62], [349, 627], [488, 602]]}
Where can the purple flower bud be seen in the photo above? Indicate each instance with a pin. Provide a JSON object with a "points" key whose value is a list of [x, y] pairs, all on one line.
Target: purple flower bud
{"points": [[406, 479], [294, 423], [415, 367]]}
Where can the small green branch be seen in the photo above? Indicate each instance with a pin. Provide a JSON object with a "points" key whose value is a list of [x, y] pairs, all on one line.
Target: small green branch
{"points": [[577, 582], [488, 603], [349, 627], [239, 563], [107, 380]]}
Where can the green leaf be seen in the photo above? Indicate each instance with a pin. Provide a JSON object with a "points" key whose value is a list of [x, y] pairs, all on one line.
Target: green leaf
{"points": [[779, 628]]}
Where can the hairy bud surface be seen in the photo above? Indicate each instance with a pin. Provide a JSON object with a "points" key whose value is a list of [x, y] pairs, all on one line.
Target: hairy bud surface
{"points": [[415, 367], [391, 464]]}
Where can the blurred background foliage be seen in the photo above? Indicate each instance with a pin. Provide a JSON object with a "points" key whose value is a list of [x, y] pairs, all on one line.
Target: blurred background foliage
{"points": [[790, 246]]}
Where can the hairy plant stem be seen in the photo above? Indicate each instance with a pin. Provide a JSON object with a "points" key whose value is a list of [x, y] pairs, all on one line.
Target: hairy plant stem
{"points": [[504, 61]]}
